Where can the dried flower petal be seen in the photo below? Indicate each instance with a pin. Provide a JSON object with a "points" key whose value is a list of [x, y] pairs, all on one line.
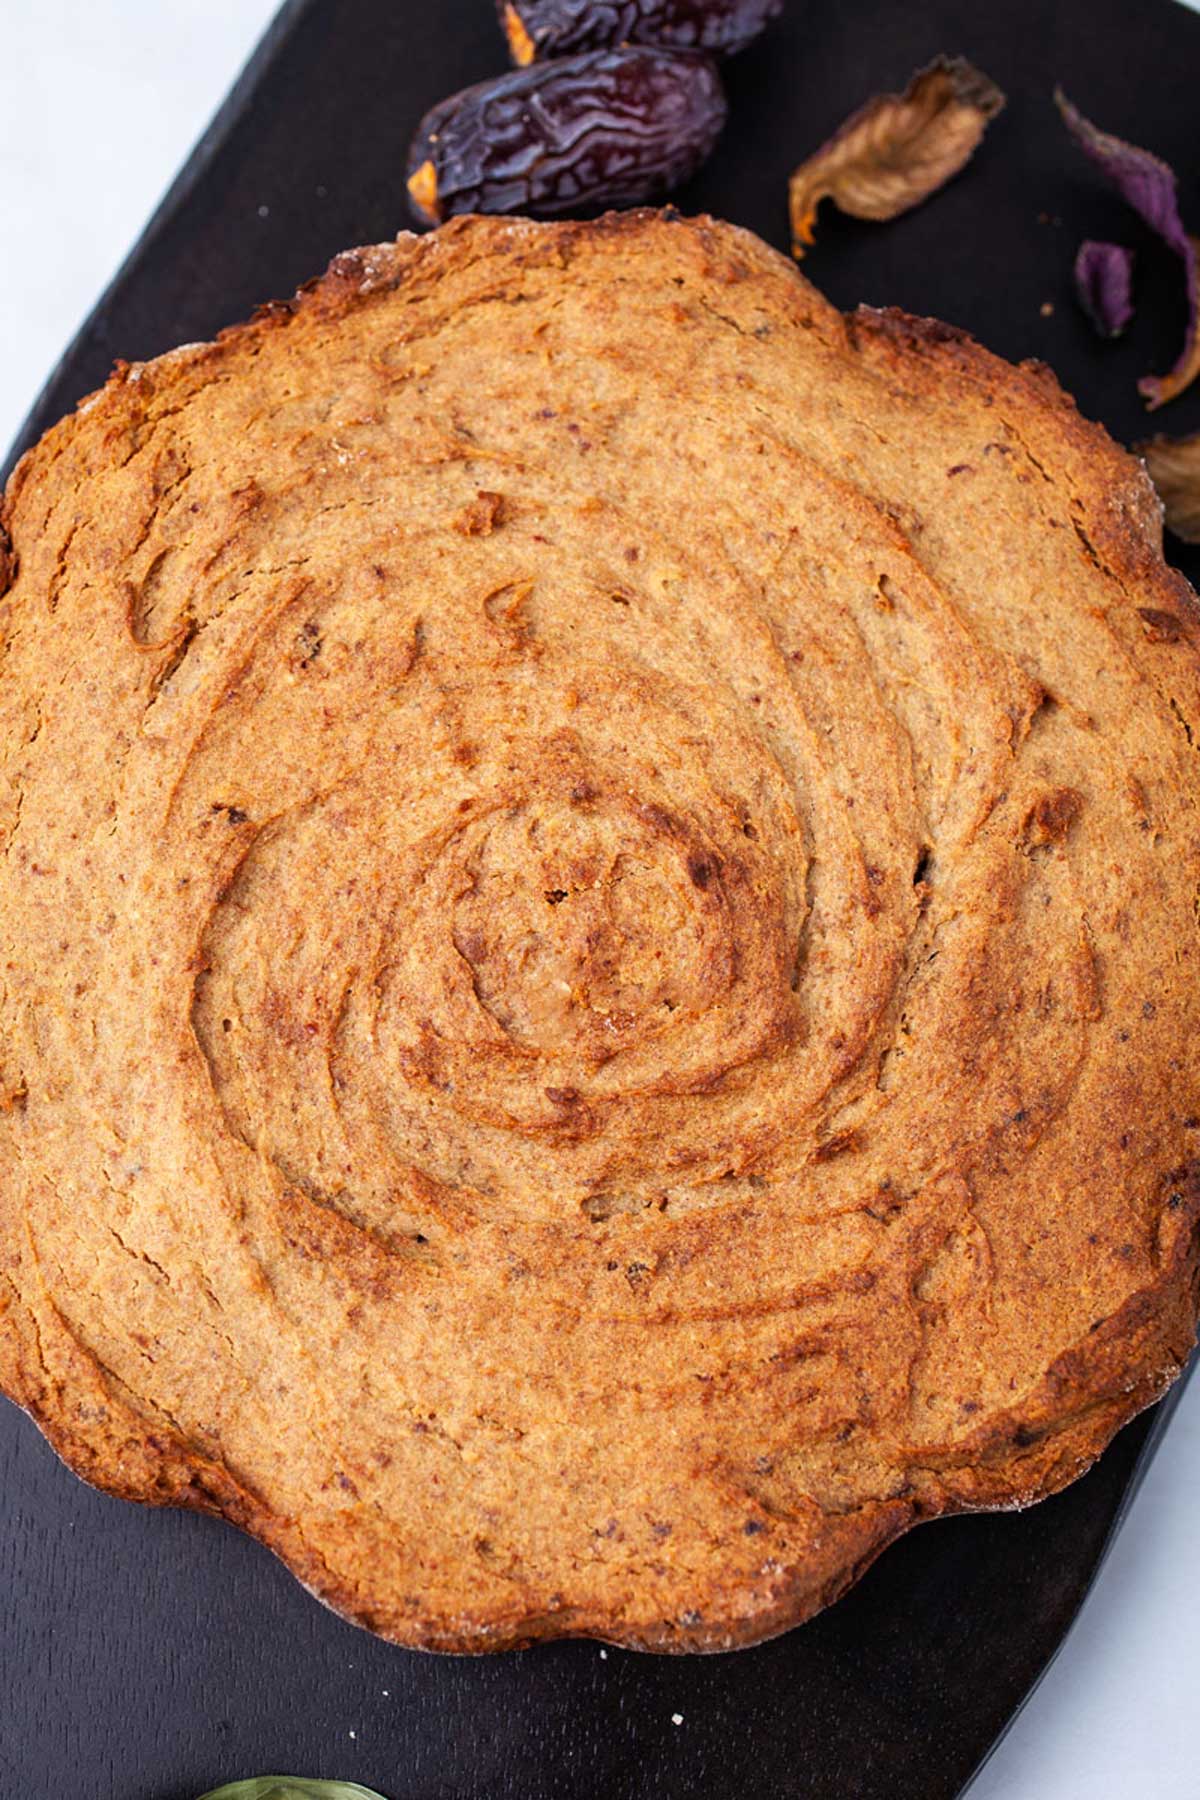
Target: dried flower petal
{"points": [[1103, 284], [1174, 465], [1149, 186], [897, 149]]}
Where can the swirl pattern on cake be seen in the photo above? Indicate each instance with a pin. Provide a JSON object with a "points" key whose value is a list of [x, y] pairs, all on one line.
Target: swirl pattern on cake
{"points": [[598, 894]]}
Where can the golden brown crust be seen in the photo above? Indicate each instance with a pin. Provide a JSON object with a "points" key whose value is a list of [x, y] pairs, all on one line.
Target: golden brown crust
{"points": [[597, 876]]}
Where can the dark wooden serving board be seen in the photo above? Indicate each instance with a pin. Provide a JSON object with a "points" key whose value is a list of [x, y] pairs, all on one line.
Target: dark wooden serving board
{"points": [[149, 1656]]}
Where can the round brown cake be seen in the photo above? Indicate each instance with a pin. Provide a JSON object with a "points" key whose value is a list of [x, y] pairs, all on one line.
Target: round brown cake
{"points": [[598, 893]]}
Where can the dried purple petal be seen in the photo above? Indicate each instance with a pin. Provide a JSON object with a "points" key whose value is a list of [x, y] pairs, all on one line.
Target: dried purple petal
{"points": [[1148, 184], [1103, 284]]}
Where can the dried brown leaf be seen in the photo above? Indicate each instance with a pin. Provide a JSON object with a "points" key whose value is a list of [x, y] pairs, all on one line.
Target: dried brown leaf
{"points": [[1174, 465], [897, 149]]}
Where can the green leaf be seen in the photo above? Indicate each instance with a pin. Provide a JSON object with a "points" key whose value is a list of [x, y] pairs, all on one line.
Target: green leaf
{"points": [[291, 1787]]}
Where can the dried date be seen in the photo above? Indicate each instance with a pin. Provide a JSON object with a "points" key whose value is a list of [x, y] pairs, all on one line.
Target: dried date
{"points": [[608, 128], [537, 29]]}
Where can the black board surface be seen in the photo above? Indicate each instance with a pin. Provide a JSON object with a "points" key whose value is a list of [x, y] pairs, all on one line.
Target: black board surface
{"points": [[150, 1655]]}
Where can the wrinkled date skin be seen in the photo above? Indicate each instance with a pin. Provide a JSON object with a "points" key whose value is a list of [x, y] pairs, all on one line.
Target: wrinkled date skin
{"points": [[609, 128], [536, 29]]}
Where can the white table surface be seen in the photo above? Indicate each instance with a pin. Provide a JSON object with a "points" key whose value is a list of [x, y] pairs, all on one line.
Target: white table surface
{"points": [[99, 104]]}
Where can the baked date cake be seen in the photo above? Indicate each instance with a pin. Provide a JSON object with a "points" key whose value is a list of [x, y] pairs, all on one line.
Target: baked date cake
{"points": [[598, 921]]}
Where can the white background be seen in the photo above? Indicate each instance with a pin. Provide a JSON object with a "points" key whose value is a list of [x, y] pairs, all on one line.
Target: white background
{"points": [[99, 104]]}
